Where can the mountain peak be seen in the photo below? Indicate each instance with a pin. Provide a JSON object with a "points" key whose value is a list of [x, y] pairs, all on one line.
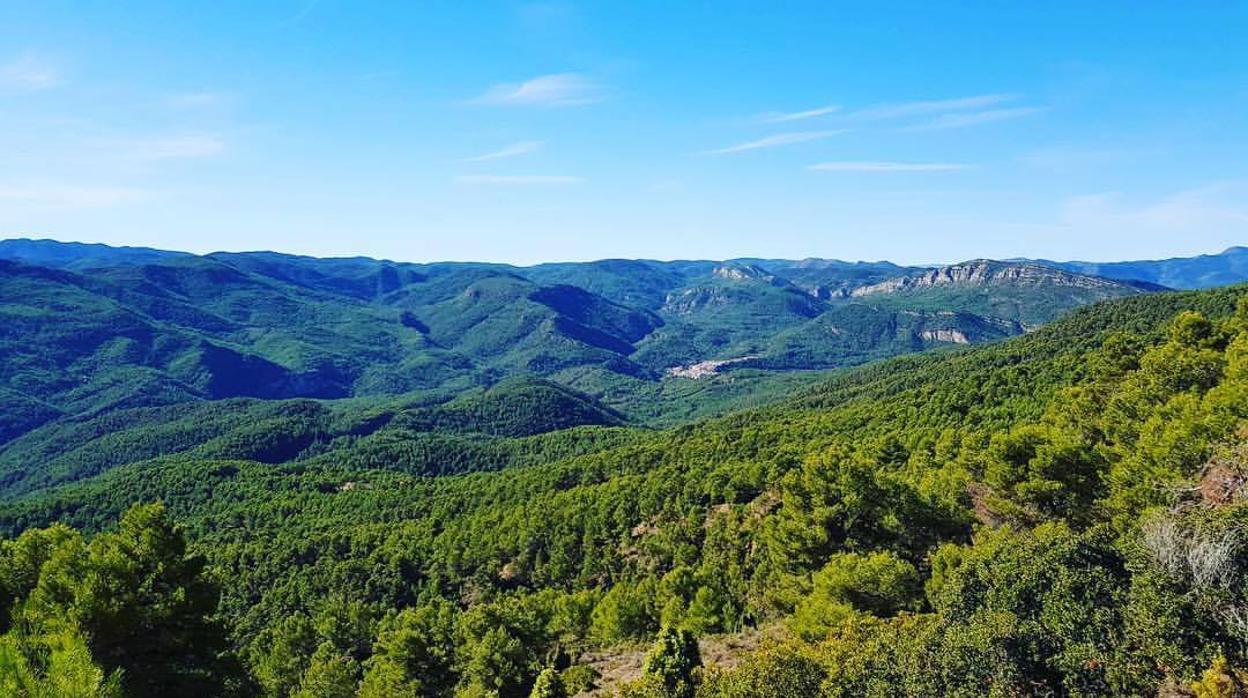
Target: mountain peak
{"points": [[741, 272], [733, 271], [987, 272]]}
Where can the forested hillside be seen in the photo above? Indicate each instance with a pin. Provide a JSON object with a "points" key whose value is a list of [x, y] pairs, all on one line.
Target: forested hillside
{"points": [[1059, 513], [88, 330]]}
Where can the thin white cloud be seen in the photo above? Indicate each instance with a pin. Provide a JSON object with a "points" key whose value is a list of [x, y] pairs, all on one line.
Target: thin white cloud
{"points": [[1196, 219], [29, 71], [555, 90], [975, 118], [197, 100], [1065, 159], [508, 151], [775, 141], [170, 148], [879, 166], [1213, 208], [784, 117], [936, 106], [76, 197], [303, 11], [517, 179]]}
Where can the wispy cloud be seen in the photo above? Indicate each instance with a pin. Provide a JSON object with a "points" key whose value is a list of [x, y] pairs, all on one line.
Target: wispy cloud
{"points": [[302, 12], [1217, 207], [508, 151], [556, 90], [517, 179], [197, 100], [77, 197], [1064, 159], [783, 117], [974, 118], [775, 141], [29, 71], [169, 148], [936, 106], [879, 166]]}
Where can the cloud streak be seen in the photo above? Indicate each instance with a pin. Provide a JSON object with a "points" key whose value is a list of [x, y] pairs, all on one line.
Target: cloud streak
{"points": [[555, 90], [937, 106], [168, 148], [508, 151], [975, 118], [29, 72], [517, 179], [1214, 207], [881, 166], [784, 117], [197, 100], [779, 139]]}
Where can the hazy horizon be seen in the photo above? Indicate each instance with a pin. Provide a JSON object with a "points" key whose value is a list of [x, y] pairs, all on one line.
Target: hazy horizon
{"points": [[927, 263]]}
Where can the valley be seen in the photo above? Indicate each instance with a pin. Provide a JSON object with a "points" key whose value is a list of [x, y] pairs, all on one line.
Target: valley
{"points": [[92, 329], [459, 479]]}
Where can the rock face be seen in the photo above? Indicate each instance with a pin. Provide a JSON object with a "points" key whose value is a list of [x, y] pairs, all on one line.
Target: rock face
{"points": [[747, 272], [983, 272], [704, 369], [951, 336], [691, 300]]}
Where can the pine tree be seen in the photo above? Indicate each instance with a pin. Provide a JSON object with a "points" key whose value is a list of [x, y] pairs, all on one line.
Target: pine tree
{"points": [[672, 662], [549, 685]]}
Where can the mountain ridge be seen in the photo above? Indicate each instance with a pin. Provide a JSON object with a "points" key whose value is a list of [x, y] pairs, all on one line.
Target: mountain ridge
{"points": [[1186, 273], [56, 253], [995, 493], [985, 272], [103, 328]]}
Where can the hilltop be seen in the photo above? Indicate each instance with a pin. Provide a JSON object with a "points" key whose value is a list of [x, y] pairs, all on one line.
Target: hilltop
{"points": [[89, 328]]}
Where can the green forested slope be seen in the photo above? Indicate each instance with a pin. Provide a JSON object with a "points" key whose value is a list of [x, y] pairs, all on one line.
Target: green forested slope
{"points": [[426, 436], [86, 330], [1013, 519]]}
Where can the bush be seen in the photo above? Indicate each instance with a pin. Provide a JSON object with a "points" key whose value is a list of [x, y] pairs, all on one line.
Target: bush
{"points": [[881, 584]]}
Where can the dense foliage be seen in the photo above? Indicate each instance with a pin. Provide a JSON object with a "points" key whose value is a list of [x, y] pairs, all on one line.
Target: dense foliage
{"points": [[1058, 514], [128, 613], [88, 330]]}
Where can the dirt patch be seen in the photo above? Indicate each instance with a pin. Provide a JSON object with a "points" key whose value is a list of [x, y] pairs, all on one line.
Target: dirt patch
{"points": [[981, 507], [764, 504], [1223, 480], [623, 664], [1220, 485]]}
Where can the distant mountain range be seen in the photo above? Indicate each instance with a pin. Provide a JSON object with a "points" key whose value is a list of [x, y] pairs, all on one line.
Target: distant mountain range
{"points": [[87, 329], [1203, 271]]}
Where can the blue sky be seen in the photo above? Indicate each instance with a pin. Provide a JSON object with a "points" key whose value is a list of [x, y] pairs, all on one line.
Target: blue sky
{"points": [[524, 132]]}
